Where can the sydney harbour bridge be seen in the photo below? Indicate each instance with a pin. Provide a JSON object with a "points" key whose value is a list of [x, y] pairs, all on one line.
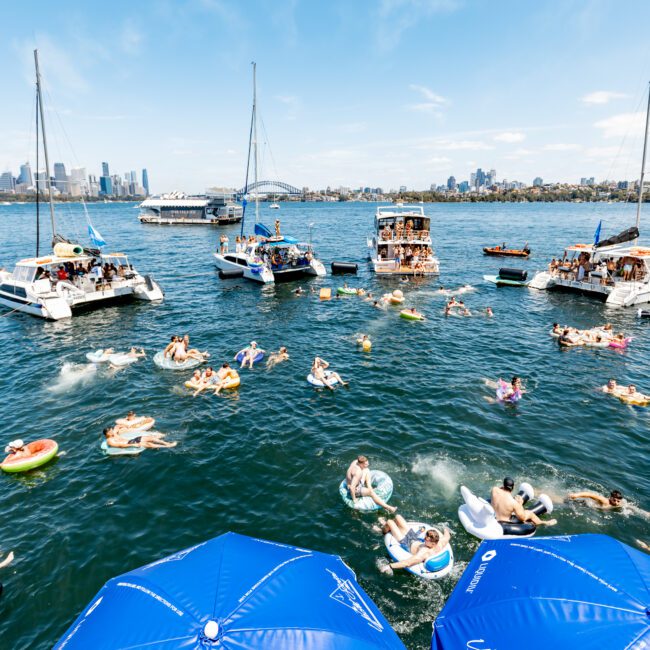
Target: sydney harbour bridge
{"points": [[269, 187]]}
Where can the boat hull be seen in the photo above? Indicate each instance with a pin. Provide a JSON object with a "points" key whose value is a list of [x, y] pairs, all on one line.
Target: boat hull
{"points": [[495, 252]]}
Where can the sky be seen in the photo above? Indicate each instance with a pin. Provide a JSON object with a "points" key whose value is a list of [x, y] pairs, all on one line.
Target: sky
{"points": [[351, 93]]}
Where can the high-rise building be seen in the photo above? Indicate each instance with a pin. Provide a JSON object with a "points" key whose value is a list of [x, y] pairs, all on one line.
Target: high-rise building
{"points": [[60, 178], [145, 181], [105, 185], [463, 186], [451, 183], [480, 178], [25, 176], [402, 188], [7, 182], [491, 177], [105, 171], [472, 179], [538, 182]]}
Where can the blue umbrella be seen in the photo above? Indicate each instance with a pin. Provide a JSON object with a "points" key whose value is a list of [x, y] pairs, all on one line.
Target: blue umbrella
{"points": [[234, 592], [577, 592]]}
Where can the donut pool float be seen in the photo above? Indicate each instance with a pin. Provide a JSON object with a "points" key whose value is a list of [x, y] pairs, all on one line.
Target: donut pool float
{"points": [[40, 452]]}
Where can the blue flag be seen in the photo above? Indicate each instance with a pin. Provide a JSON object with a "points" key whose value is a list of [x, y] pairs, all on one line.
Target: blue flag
{"points": [[597, 233], [95, 237]]}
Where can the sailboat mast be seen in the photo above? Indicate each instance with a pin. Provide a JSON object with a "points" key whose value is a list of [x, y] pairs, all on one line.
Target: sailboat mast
{"points": [[38, 202], [47, 162], [645, 146], [248, 164], [257, 194]]}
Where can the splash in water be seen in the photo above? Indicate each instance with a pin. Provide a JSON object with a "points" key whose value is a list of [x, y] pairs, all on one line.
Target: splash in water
{"points": [[73, 374]]}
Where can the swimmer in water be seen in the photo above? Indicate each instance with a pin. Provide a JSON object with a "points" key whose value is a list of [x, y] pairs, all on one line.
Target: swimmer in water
{"points": [[195, 382], [146, 441], [277, 357], [299, 291], [249, 354], [318, 372], [133, 421], [611, 387], [7, 561], [488, 312], [225, 374], [614, 500], [514, 389], [359, 484], [505, 505]]}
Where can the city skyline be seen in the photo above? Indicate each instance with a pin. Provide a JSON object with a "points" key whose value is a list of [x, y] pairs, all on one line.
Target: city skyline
{"points": [[398, 92]]}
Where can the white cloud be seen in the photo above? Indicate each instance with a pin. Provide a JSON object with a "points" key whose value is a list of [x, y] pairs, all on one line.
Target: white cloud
{"points": [[561, 146], [519, 154], [130, 38], [619, 126], [293, 104], [457, 145], [602, 97], [433, 102], [602, 152], [510, 136]]}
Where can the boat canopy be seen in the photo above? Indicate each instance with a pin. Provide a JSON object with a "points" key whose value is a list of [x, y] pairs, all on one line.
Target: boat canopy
{"points": [[285, 241]]}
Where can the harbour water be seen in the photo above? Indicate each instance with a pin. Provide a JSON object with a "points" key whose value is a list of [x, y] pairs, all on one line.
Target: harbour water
{"points": [[266, 460]]}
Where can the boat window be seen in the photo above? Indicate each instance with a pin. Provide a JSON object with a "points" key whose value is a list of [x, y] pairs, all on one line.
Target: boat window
{"points": [[24, 273], [17, 291], [236, 260]]}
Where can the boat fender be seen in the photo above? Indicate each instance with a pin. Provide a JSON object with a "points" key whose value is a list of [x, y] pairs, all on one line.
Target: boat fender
{"points": [[513, 274], [341, 268], [235, 273]]}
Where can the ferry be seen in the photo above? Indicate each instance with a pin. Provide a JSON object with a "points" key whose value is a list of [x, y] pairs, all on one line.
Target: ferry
{"points": [[401, 242], [176, 208], [615, 270], [51, 286]]}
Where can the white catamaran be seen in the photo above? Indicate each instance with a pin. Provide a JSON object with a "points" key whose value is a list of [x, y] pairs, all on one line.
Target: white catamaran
{"points": [[72, 276], [616, 270], [268, 256]]}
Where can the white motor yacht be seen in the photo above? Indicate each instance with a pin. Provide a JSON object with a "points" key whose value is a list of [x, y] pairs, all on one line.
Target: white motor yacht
{"points": [[72, 276], [401, 241]]}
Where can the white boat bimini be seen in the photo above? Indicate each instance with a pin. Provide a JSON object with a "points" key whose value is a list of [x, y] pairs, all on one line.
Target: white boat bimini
{"points": [[401, 242], [72, 276]]}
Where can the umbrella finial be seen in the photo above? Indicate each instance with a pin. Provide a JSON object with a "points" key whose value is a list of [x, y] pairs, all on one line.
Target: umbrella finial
{"points": [[211, 630]]}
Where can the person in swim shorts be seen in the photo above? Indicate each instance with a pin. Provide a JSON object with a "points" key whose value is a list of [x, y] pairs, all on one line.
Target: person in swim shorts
{"points": [[318, 372], [409, 540], [277, 357], [225, 374], [147, 441], [359, 484], [505, 505]]}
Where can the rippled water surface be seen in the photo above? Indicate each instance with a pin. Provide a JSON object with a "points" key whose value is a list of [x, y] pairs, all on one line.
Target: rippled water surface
{"points": [[266, 460]]}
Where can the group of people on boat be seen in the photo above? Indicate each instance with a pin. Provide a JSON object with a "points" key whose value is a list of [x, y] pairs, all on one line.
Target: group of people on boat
{"points": [[414, 258], [401, 231], [75, 272], [600, 336], [606, 272]]}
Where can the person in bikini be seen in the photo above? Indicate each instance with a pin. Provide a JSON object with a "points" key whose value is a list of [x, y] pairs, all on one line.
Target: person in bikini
{"points": [[359, 484], [409, 540], [506, 505], [146, 441]]}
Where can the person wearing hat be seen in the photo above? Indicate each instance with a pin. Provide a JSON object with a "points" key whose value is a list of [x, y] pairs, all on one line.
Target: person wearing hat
{"points": [[506, 505], [17, 449]]}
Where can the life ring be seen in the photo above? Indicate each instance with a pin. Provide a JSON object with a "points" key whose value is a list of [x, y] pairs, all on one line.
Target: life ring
{"points": [[231, 383], [435, 567], [381, 483], [258, 357], [167, 363], [40, 452], [409, 315], [140, 423], [503, 389], [596, 344], [99, 356], [555, 335], [479, 519], [318, 383]]}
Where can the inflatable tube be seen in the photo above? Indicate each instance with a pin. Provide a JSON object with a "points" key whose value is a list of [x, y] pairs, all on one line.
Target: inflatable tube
{"points": [[123, 451], [231, 383], [634, 401], [41, 452], [478, 518], [643, 313], [409, 315], [319, 384], [503, 389], [513, 274], [227, 274], [191, 385], [65, 249], [620, 345], [366, 345], [346, 291], [97, 357], [137, 425], [341, 268], [169, 364], [258, 357], [381, 483], [555, 335], [122, 359], [596, 344], [435, 567]]}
